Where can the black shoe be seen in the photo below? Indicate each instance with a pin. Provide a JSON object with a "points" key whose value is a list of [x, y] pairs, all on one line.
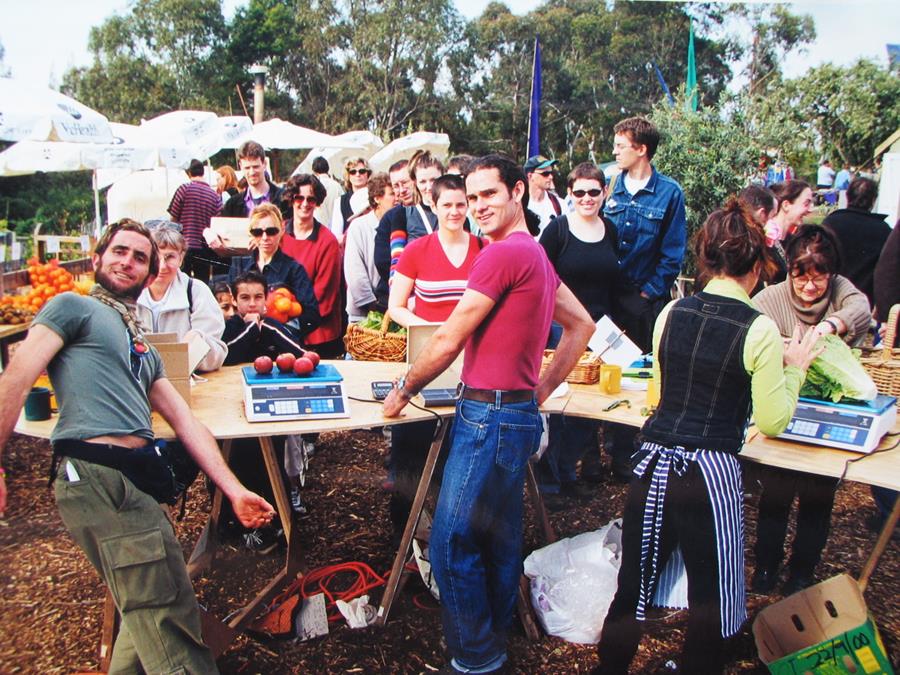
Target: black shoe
{"points": [[796, 583], [763, 581], [593, 477], [577, 491]]}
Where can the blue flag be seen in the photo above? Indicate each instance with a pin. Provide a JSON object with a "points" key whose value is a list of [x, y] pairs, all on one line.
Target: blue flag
{"points": [[534, 114]]}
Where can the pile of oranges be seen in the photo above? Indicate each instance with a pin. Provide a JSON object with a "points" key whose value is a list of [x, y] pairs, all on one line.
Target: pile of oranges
{"points": [[282, 306], [47, 279]]}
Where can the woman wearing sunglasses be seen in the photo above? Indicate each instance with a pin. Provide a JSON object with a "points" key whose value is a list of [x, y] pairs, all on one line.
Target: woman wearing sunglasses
{"points": [[312, 245], [815, 298], [279, 269], [356, 178], [582, 247]]}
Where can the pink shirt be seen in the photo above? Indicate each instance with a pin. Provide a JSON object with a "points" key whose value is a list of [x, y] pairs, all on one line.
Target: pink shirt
{"points": [[437, 283], [505, 351]]}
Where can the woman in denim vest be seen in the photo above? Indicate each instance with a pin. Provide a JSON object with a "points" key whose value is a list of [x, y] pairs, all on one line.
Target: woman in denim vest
{"points": [[716, 356]]}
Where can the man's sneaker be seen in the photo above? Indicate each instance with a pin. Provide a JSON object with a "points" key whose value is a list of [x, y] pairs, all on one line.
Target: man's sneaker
{"points": [[296, 503]]}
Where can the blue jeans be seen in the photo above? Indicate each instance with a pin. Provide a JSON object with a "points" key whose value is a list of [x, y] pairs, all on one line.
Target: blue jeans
{"points": [[476, 538]]}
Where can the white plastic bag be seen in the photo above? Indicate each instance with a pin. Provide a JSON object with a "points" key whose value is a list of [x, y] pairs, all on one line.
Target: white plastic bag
{"points": [[573, 582]]}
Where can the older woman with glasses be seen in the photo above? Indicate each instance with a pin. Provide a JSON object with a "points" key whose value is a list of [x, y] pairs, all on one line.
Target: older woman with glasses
{"points": [[815, 298], [176, 303], [312, 245], [279, 269], [356, 178]]}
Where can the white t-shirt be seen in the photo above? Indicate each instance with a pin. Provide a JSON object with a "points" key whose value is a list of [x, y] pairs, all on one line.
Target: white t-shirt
{"points": [[633, 185], [544, 210], [825, 176]]}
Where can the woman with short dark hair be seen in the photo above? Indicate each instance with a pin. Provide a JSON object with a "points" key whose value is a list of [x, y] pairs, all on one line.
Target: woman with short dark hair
{"points": [[822, 302], [312, 245]]}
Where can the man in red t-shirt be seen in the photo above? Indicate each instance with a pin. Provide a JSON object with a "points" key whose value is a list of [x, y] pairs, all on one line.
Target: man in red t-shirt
{"points": [[511, 297]]}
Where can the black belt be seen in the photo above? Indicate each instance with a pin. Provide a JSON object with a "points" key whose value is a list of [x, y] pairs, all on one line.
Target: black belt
{"points": [[490, 395]]}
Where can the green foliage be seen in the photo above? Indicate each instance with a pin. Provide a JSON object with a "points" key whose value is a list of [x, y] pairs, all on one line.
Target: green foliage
{"points": [[63, 202], [710, 156]]}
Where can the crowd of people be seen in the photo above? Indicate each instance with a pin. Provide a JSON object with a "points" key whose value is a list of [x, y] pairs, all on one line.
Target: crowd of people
{"points": [[487, 249]]}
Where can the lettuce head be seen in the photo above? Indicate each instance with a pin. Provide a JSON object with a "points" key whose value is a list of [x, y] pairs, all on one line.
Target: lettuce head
{"points": [[837, 373]]}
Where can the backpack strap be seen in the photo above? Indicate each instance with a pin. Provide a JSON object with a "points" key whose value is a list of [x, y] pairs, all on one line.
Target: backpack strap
{"points": [[554, 202], [190, 294]]}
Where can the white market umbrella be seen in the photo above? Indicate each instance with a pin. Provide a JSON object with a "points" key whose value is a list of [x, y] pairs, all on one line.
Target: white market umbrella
{"points": [[277, 134], [32, 112], [404, 148], [358, 144]]}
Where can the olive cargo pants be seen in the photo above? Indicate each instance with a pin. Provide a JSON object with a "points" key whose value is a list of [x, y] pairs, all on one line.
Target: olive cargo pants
{"points": [[130, 541]]}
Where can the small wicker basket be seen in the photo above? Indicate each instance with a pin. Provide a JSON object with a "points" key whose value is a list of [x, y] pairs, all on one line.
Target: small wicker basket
{"points": [[366, 344], [586, 371], [883, 364]]}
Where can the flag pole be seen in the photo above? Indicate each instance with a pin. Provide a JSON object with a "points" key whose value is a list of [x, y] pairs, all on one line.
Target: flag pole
{"points": [[534, 112]]}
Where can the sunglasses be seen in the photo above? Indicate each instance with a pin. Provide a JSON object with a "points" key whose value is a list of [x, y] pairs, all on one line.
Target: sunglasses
{"points": [[593, 192], [257, 232], [353, 172], [299, 199], [544, 173], [156, 225]]}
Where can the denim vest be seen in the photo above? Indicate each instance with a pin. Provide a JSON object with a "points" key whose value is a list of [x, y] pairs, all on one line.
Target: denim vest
{"points": [[705, 400]]}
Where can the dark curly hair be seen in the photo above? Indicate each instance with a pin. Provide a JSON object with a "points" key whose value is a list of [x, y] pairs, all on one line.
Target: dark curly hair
{"points": [[292, 188]]}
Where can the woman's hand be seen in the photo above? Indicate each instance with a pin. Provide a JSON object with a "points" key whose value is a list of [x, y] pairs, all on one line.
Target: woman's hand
{"points": [[801, 351]]}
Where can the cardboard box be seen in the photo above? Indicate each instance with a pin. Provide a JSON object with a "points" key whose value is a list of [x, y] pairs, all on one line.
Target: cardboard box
{"points": [[823, 630], [179, 359], [235, 232]]}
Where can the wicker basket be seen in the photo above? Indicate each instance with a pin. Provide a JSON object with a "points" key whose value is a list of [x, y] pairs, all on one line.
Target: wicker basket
{"points": [[586, 371], [883, 365], [366, 344]]}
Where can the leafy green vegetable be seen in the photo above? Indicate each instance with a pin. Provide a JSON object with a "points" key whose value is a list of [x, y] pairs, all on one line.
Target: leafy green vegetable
{"points": [[373, 321], [837, 373]]}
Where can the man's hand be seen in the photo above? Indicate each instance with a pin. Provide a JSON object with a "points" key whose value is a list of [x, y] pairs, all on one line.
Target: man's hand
{"points": [[394, 403], [252, 510], [214, 240], [253, 317]]}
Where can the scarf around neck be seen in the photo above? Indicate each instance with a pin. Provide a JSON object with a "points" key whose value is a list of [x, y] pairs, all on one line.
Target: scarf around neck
{"points": [[125, 309]]}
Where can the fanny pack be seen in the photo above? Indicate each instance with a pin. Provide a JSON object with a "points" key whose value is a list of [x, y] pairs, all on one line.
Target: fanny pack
{"points": [[148, 467]]}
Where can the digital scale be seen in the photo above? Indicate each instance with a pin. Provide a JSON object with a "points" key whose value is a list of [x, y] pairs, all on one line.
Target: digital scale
{"points": [[280, 396], [856, 426]]}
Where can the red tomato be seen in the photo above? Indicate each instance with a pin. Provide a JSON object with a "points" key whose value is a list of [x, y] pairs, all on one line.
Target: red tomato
{"points": [[285, 362], [263, 365], [312, 356], [303, 366]]}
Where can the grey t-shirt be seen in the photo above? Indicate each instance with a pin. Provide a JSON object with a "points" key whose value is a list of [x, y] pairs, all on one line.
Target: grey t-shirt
{"points": [[92, 374]]}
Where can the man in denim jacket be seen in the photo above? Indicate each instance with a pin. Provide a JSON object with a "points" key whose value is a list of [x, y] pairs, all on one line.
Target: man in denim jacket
{"points": [[647, 210]]}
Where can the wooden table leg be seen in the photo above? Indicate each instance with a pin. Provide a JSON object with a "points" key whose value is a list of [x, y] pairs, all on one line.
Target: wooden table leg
{"points": [[108, 632], [282, 502], [400, 558], [205, 549], [531, 485], [880, 545]]}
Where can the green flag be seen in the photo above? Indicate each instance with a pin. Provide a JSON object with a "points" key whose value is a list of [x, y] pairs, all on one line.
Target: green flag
{"points": [[690, 85]]}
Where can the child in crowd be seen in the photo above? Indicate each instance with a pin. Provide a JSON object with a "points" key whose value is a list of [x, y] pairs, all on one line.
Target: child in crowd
{"points": [[250, 334], [222, 291]]}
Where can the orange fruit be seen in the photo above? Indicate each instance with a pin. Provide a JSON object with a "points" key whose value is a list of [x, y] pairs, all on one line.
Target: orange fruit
{"points": [[296, 309], [282, 305]]}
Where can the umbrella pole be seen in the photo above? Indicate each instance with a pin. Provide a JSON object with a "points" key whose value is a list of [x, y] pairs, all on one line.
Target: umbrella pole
{"points": [[97, 223]]}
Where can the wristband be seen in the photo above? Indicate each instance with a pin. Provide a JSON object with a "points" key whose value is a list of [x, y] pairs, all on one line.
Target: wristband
{"points": [[833, 324]]}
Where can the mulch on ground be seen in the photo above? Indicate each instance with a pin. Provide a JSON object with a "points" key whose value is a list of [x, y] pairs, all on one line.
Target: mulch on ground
{"points": [[51, 599]]}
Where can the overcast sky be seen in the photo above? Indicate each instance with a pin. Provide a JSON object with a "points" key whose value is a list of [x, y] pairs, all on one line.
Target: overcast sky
{"points": [[43, 38]]}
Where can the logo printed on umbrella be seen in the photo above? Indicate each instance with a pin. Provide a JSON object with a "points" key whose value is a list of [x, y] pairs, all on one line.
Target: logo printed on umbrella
{"points": [[74, 112]]}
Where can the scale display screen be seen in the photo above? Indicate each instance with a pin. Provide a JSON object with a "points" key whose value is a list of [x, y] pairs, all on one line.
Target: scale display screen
{"points": [[848, 426], [278, 396]]}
